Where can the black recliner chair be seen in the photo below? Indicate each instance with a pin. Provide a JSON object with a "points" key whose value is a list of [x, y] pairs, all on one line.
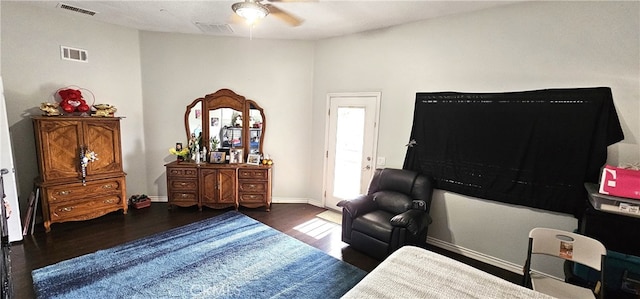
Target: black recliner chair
{"points": [[393, 213]]}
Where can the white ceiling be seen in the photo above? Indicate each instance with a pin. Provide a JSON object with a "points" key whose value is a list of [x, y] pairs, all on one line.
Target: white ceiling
{"points": [[322, 19]]}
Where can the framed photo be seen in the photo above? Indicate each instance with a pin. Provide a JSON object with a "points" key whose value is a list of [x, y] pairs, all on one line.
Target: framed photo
{"points": [[236, 155], [253, 159], [178, 146], [217, 157]]}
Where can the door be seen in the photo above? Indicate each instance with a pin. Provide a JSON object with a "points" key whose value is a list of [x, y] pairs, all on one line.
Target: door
{"points": [[9, 177], [350, 145]]}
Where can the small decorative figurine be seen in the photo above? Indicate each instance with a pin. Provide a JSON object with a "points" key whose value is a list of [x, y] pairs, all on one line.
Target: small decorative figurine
{"points": [[104, 110], [50, 109]]}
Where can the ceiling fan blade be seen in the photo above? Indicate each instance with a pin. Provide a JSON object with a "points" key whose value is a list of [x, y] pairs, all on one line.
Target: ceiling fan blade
{"points": [[283, 15]]}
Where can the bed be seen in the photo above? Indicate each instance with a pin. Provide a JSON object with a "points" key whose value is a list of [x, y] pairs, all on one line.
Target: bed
{"points": [[413, 272]]}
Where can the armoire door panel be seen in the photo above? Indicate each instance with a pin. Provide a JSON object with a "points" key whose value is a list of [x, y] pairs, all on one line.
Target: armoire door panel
{"points": [[60, 141], [103, 138]]}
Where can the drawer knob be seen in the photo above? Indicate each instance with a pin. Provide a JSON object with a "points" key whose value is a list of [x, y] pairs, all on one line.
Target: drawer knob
{"points": [[67, 209], [183, 184], [110, 200], [109, 186], [184, 195], [64, 192]]}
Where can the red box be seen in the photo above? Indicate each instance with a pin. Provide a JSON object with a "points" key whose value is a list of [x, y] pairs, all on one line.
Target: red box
{"points": [[620, 182], [142, 204]]}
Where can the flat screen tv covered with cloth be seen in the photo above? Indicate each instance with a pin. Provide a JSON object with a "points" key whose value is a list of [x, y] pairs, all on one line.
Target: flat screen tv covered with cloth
{"points": [[531, 148]]}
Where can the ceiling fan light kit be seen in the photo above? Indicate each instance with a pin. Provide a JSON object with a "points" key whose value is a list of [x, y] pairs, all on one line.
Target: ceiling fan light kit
{"points": [[250, 10]]}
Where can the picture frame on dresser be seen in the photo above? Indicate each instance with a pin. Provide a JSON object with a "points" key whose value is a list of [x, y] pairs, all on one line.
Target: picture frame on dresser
{"points": [[217, 157], [253, 159], [236, 156]]}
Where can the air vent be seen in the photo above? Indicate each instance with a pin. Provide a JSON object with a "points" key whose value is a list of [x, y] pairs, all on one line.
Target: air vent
{"points": [[73, 54], [76, 9], [214, 28]]}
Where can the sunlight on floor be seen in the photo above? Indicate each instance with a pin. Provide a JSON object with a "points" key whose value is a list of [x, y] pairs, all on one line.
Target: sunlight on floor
{"points": [[316, 228]]}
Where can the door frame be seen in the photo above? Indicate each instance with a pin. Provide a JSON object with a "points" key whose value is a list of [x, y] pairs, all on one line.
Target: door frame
{"points": [[365, 94]]}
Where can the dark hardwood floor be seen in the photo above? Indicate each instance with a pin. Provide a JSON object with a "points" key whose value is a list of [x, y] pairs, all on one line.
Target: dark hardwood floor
{"points": [[71, 239]]}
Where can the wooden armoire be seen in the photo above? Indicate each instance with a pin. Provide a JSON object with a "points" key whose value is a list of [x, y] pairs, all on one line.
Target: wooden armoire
{"points": [[69, 191]]}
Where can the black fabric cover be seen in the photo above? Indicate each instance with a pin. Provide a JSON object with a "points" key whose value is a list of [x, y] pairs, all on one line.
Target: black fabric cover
{"points": [[531, 148]]}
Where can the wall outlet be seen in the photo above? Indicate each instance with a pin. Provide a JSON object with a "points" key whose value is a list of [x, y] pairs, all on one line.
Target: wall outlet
{"points": [[381, 161]]}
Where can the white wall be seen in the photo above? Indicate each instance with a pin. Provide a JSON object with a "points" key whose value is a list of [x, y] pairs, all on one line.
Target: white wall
{"points": [[525, 46], [33, 71], [278, 75]]}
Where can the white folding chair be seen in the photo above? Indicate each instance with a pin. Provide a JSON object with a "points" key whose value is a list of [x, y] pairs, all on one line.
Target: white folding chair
{"points": [[568, 246]]}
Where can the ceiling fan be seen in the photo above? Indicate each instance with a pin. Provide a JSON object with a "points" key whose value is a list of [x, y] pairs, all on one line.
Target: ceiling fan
{"points": [[253, 10]]}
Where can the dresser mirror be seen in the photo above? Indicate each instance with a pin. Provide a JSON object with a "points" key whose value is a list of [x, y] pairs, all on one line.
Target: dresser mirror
{"points": [[256, 128], [194, 120], [224, 120]]}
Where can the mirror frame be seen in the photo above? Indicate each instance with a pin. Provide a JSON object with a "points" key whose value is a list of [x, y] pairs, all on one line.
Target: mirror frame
{"points": [[186, 117], [252, 105], [226, 98]]}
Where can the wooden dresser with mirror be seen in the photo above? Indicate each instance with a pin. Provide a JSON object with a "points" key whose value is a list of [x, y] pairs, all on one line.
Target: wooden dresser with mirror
{"points": [[229, 128]]}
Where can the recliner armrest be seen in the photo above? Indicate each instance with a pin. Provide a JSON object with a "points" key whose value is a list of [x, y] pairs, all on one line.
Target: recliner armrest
{"points": [[413, 220], [358, 206]]}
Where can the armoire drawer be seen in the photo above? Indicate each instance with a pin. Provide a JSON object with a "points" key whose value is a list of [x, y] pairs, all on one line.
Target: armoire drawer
{"points": [[83, 209], [69, 192]]}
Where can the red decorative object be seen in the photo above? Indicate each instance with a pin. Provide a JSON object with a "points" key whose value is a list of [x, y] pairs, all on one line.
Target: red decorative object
{"points": [[140, 201], [72, 101], [142, 204]]}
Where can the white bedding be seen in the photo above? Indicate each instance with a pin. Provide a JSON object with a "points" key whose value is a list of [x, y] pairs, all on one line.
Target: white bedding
{"points": [[413, 272]]}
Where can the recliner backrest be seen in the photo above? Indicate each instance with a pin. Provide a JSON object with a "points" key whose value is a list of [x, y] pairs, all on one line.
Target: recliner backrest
{"points": [[408, 182], [398, 180]]}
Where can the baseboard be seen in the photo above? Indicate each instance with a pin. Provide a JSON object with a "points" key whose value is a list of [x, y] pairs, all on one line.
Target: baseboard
{"points": [[156, 198], [479, 256], [485, 258], [289, 200]]}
